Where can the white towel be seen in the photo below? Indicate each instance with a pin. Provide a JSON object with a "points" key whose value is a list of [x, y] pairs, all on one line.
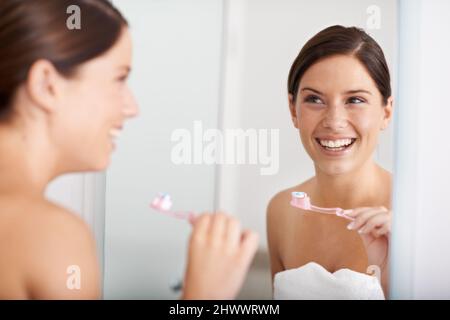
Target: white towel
{"points": [[314, 282]]}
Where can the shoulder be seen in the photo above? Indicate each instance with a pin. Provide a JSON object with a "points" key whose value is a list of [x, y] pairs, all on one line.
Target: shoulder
{"points": [[281, 221], [60, 255], [45, 221]]}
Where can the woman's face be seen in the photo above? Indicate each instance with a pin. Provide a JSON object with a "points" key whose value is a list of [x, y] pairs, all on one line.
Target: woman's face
{"points": [[96, 102], [339, 112]]}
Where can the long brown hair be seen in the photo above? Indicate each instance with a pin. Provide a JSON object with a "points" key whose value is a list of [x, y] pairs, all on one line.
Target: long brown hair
{"points": [[31, 30], [337, 40]]}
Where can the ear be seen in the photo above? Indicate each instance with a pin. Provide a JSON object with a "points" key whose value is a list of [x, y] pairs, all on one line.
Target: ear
{"points": [[293, 110], [43, 85], [388, 112]]}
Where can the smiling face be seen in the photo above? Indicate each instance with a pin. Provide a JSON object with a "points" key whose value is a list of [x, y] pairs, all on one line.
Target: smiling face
{"points": [[93, 107], [339, 112]]}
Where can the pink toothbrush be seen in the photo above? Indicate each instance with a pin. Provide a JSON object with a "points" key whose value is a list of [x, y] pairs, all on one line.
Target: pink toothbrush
{"points": [[163, 204], [302, 201]]}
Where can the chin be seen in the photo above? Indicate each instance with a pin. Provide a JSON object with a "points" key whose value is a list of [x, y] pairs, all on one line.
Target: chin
{"points": [[100, 164], [103, 165], [335, 169]]}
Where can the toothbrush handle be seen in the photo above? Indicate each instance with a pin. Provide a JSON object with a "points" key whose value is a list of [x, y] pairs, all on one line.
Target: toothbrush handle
{"points": [[183, 215], [188, 216], [335, 211], [344, 214], [326, 210]]}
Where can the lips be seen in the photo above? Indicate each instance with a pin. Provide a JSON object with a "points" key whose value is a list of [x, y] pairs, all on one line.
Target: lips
{"points": [[335, 145], [115, 133]]}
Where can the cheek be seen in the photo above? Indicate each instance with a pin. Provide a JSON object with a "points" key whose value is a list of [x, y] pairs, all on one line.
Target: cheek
{"points": [[307, 120], [367, 127], [86, 119], [367, 124], [100, 106]]}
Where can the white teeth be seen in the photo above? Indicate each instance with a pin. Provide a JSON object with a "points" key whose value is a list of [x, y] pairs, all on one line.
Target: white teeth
{"points": [[115, 133], [335, 143]]}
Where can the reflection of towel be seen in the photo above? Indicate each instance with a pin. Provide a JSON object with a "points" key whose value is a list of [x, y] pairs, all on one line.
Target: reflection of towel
{"points": [[312, 281]]}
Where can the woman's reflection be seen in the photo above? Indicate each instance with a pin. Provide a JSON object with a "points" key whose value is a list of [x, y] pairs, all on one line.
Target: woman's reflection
{"points": [[340, 100]]}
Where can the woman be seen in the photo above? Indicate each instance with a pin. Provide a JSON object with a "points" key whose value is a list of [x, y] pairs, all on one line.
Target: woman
{"points": [[339, 99], [63, 100]]}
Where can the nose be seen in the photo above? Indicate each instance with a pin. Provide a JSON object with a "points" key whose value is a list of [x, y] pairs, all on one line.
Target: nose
{"points": [[335, 118], [130, 108]]}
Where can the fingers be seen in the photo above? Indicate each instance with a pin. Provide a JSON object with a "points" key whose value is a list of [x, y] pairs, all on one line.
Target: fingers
{"points": [[371, 220], [223, 230], [249, 243], [376, 221], [383, 230], [356, 212], [218, 227], [361, 216], [220, 254], [233, 233], [201, 227]]}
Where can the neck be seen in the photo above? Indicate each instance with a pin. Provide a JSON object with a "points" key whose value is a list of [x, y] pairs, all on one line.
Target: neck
{"points": [[27, 162], [365, 186]]}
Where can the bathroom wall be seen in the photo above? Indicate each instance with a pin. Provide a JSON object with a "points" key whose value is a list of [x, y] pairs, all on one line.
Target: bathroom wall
{"points": [[420, 238]]}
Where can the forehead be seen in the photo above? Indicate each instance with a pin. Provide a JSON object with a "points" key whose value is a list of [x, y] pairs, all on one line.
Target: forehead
{"points": [[338, 73], [117, 57]]}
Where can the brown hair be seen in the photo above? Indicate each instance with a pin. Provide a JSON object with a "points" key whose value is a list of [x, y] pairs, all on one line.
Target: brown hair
{"points": [[34, 30], [337, 40]]}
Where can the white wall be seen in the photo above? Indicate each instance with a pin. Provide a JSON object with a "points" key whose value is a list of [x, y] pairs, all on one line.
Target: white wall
{"points": [[263, 37], [420, 245]]}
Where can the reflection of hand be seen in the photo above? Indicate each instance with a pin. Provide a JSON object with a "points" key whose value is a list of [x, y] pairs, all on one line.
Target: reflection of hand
{"points": [[374, 226], [219, 257]]}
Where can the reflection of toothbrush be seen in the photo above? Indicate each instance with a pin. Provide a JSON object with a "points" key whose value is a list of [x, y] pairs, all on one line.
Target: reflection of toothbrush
{"points": [[302, 201], [163, 203]]}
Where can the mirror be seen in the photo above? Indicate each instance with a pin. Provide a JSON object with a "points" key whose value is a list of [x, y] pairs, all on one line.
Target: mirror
{"points": [[204, 70]]}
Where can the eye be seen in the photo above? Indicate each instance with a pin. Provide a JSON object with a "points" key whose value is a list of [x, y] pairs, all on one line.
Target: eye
{"points": [[123, 78], [313, 99], [356, 100]]}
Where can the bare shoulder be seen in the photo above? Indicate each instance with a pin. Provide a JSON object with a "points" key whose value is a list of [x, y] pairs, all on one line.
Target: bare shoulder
{"points": [[60, 259], [282, 220]]}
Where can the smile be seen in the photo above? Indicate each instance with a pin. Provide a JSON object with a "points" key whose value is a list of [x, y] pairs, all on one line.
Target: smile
{"points": [[337, 145], [115, 133]]}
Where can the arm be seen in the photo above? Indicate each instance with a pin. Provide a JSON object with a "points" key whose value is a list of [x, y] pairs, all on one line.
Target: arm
{"points": [[374, 227]]}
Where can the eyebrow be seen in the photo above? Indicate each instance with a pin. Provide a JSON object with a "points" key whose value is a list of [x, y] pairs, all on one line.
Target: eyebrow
{"points": [[347, 92], [358, 91], [313, 90]]}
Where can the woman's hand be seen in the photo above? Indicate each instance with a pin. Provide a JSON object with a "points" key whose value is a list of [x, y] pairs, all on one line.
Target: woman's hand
{"points": [[220, 254], [374, 226]]}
